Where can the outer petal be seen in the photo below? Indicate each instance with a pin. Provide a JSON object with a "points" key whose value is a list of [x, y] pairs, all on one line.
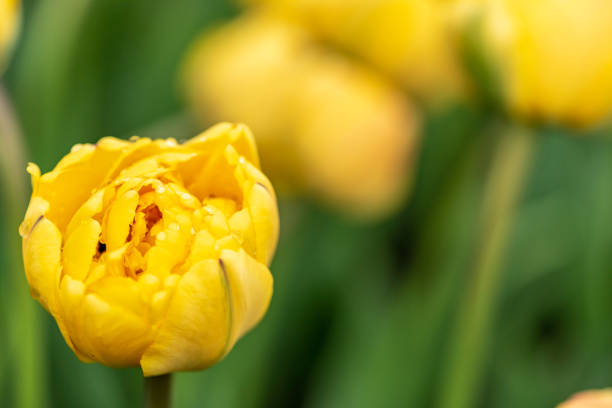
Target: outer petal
{"points": [[250, 284], [264, 213], [69, 301], [260, 202], [195, 330], [37, 206], [115, 322], [41, 258], [107, 322]]}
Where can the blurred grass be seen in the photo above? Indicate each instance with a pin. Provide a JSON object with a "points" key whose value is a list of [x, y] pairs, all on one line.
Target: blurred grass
{"points": [[23, 344], [361, 314]]}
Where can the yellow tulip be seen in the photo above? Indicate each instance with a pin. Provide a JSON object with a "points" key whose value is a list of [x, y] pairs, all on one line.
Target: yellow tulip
{"points": [[324, 123], [554, 57], [589, 399], [153, 253], [9, 21], [411, 40]]}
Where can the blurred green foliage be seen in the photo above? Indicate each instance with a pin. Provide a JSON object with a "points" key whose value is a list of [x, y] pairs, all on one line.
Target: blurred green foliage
{"points": [[362, 314]]}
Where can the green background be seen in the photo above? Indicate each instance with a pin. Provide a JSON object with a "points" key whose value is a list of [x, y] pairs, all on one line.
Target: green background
{"points": [[363, 315]]}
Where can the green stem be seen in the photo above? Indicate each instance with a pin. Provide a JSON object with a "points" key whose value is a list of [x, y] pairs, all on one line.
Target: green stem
{"points": [[471, 336], [158, 391], [26, 348]]}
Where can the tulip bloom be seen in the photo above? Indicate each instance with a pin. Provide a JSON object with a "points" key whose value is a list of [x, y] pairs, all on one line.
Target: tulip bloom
{"points": [[554, 57], [325, 124], [589, 399], [153, 253]]}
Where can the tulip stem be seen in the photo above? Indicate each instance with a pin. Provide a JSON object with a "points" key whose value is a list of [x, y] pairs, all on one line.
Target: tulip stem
{"points": [[158, 391], [468, 352]]}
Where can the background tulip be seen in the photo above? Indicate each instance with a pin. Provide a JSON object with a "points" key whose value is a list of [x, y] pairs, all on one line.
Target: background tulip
{"points": [[413, 41], [554, 58], [319, 115]]}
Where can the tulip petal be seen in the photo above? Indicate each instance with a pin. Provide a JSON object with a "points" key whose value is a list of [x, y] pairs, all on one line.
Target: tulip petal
{"points": [[216, 178], [80, 249], [237, 135], [117, 338], [115, 322], [264, 213], [241, 225], [70, 298], [91, 207], [195, 330], [250, 286], [242, 139], [41, 257], [68, 186], [120, 216]]}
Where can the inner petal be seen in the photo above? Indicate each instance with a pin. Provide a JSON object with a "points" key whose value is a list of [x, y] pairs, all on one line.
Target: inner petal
{"points": [[120, 217]]}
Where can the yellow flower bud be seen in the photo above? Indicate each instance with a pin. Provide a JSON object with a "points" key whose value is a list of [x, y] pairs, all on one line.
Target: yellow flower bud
{"points": [[9, 22], [413, 41], [324, 123], [153, 253], [554, 57], [589, 399]]}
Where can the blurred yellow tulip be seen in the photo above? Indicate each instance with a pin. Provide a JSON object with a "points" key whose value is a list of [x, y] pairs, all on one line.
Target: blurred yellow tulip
{"points": [[153, 253], [324, 123], [589, 399], [411, 40], [355, 136], [554, 57], [9, 22], [246, 72]]}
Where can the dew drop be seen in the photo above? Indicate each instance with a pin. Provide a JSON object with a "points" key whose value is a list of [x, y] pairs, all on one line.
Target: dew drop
{"points": [[76, 148]]}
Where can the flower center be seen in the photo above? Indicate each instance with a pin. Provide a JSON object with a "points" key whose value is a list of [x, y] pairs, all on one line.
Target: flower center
{"points": [[156, 226]]}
